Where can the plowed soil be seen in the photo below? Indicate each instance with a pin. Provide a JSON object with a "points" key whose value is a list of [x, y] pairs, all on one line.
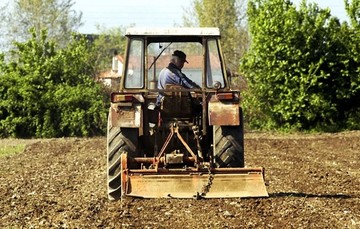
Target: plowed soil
{"points": [[313, 182]]}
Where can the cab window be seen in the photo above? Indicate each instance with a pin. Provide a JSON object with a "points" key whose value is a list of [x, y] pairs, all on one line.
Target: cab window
{"points": [[214, 70], [134, 74]]}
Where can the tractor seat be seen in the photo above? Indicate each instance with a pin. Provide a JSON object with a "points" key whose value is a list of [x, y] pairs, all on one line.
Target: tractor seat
{"points": [[176, 104]]}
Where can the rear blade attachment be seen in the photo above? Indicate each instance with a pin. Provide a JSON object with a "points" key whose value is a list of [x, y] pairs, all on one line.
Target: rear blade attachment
{"points": [[192, 182]]}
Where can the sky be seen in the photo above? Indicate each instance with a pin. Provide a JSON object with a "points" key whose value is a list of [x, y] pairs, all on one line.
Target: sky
{"points": [[156, 13], [153, 13], [142, 13]]}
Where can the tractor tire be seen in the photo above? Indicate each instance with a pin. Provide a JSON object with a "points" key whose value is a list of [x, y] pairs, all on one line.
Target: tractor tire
{"points": [[119, 140], [229, 145]]}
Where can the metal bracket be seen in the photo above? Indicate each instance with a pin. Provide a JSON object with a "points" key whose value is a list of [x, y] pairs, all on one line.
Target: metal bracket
{"points": [[174, 130]]}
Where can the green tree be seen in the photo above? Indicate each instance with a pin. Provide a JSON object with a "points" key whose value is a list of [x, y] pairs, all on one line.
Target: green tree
{"points": [[229, 16], [48, 92], [2, 26], [109, 42], [300, 72], [353, 10], [352, 70], [56, 16]]}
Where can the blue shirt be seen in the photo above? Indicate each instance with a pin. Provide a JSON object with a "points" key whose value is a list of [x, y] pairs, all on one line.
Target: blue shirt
{"points": [[173, 75]]}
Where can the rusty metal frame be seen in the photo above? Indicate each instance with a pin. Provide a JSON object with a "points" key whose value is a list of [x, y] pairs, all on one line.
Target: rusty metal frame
{"points": [[174, 130], [146, 181]]}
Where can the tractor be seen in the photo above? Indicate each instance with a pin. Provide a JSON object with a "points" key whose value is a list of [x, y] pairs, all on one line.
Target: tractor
{"points": [[192, 144]]}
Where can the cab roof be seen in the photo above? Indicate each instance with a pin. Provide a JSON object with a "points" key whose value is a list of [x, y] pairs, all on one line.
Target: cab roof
{"points": [[183, 31]]}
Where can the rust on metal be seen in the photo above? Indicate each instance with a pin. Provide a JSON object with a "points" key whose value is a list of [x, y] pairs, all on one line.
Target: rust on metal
{"points": [[161, 160], [126, 116], [189, 183], [123, 174], [224, 113], [174, 131]]}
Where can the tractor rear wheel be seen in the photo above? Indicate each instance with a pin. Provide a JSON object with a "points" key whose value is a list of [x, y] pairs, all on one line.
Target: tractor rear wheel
{"points": [[229, 145], [119, 140]]}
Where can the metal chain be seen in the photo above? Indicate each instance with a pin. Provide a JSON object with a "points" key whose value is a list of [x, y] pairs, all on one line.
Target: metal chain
{"points": [[206, 188]]}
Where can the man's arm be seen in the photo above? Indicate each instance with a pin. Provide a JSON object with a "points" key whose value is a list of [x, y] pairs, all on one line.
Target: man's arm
{"points": [[174, 76], [188, 83]]}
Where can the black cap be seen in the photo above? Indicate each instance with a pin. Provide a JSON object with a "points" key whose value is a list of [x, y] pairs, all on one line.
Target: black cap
{"points": [[180, 54]]}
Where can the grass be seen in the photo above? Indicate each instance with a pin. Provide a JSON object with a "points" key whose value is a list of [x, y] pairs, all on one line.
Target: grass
{"points": [[11, 146]]}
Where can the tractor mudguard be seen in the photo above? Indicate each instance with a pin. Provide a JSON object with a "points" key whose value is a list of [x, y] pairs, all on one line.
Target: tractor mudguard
{"points": [[224, 113], [126, 115]]}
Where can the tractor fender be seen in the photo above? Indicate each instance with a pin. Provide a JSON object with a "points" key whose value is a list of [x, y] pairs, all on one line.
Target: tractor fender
{"points": [[223, 113], [126, 115]]}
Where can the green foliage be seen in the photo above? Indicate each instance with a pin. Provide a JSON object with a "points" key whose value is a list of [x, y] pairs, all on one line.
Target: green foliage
{"points": [[48, 92], [55, 16], [229, 17], [108, 43], [353, 10], [302, 68]]}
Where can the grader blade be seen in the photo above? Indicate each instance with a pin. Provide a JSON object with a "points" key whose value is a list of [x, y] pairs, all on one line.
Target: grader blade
{"points": [[193, 183]]}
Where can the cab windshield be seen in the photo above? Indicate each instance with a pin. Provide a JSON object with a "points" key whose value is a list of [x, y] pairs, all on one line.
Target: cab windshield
{"points": [[158, 57]]}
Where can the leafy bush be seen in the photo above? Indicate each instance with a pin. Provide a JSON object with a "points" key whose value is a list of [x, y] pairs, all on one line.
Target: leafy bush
{"points": [[302, 68], [45, 92]]}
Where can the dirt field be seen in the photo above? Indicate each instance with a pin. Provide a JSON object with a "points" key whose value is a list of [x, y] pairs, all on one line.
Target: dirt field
{"points": [[314, 182]]}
